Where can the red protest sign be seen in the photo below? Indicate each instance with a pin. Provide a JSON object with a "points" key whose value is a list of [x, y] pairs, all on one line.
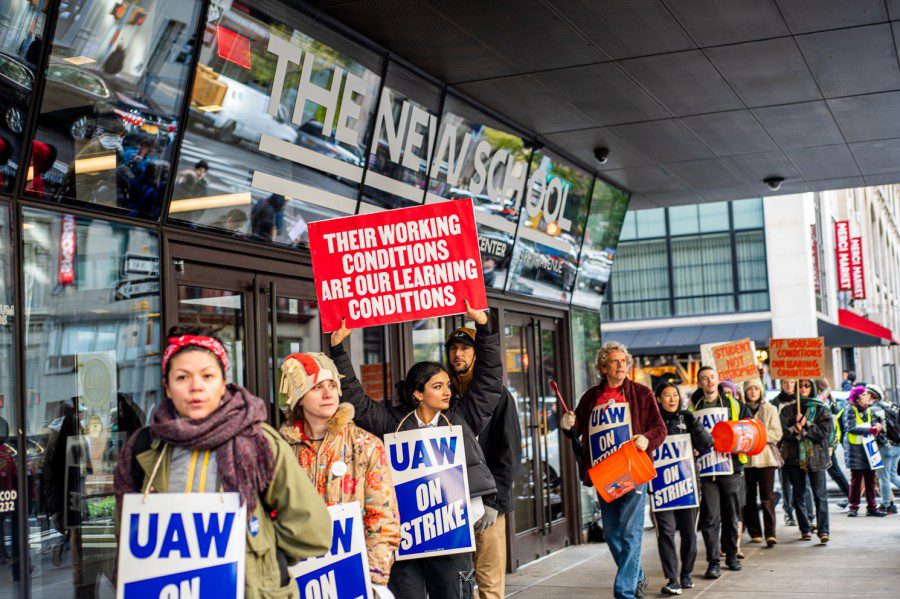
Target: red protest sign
{"points": [[397, 265], [800, 358]]}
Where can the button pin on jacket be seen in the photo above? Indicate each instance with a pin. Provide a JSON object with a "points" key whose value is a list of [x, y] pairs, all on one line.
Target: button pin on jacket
{"points": [[253, 525], [339, 468]]}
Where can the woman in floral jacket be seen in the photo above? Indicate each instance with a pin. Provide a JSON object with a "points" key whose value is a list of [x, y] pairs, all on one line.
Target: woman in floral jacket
{"points": [[344, 462]]}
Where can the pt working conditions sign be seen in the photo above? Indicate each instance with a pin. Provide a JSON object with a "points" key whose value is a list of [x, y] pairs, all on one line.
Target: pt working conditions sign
{"points": [[397, 265]]}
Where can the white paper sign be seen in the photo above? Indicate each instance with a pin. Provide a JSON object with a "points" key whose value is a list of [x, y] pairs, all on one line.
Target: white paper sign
{"points": [[872, 452], [178, 545], [428, 466], [342, 573]]}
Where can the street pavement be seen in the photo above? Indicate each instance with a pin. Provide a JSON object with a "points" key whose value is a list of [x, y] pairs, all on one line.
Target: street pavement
{"points": [[861, 560]]}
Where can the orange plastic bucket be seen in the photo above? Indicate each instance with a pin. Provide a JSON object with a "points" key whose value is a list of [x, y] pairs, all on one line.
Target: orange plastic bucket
{"points": [[622, 471], [747, 436]]}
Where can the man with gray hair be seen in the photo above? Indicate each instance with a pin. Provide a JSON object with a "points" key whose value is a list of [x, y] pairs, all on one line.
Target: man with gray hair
{"points": [[608, 415]]}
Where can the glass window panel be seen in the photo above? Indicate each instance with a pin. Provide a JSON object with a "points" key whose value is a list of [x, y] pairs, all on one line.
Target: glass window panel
{"points": [[642, 271], [713, 217], [297, 327], [608, 209], [701, 265], [683, 220], [479, 158], [11, 462], [21, 40], [92, 377], [283, 125], [428, 339], [748, 214], [370, 354], [551, 229], [753, 302], [405, 134], [714, 304], [642, 310], [224, 312], [629, 227], [651, 223], [751, 261], [114, 87]]}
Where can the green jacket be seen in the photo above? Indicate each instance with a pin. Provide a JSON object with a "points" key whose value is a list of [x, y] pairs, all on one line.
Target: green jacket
{"points": [[301, 528]]}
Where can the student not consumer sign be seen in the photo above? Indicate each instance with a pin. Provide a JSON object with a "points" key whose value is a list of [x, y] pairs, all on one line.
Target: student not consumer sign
{"points": [[397, 265]]}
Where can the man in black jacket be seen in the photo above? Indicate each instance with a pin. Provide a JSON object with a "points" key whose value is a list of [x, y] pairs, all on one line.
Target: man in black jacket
{"points": [[501, 443]]}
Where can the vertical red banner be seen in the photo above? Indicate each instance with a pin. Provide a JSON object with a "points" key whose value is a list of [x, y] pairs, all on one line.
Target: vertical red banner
{"points": [[842, 254], [857, 270], [67, 233]]}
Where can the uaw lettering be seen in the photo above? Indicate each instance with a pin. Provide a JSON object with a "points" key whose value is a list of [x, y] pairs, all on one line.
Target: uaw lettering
{"points": [[182, 546], [872, 452], [712, 462], [675, 485], [609, 428], [428, 466], [342, 573]]}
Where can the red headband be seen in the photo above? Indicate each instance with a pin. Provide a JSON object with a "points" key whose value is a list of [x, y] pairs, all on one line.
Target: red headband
{"points": [[177, 343]]}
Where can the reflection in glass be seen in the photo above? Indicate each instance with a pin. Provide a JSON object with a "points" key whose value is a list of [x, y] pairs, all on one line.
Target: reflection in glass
{"points": [[369, 348], [21, 41], [428, 339], [114, 84], [551, 228], [549, 432], [517, 370], [478, 158], [297, 327], [585, 345], [223, 311], [608, 208], [92, 377], [280, 119], [11, 463]]}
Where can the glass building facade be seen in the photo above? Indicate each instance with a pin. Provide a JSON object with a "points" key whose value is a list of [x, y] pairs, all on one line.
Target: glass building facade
{"points": [[688, 261], [160, 162]]}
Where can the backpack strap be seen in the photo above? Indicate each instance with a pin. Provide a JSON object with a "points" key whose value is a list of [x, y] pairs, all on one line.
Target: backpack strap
{"points": [[141, 444]]}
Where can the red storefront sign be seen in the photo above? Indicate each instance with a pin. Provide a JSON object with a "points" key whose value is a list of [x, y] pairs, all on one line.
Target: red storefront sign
{"points": [[857, 270], [66, 273], [842, 253], [397, 265]]}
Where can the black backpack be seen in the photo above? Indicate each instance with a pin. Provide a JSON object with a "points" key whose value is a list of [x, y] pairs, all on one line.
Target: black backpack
{"points": [[892, 423]]}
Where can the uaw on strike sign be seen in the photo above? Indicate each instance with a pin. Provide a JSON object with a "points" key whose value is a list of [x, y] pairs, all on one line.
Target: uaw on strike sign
{"points": [[428, 466], [182, 545], [609, 428], [712, 462], [675, 485], [343, 572], [397, 265]]}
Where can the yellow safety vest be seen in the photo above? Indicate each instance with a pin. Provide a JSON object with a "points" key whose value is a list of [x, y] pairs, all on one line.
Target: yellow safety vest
{"points": [[857, 439], [735, 410]]}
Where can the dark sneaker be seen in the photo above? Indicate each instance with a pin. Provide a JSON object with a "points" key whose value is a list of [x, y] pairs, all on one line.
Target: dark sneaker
{"points": [[892, 509], [843, 503], [686, 581], [641, 590], [672, 588], [734, 564], [853, 513], [789, 520], [877, 513], [806, 537], [713, 571]]}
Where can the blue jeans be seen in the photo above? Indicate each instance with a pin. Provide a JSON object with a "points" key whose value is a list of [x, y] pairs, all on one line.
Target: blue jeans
{"points": [[890, 455], [623, 528]]}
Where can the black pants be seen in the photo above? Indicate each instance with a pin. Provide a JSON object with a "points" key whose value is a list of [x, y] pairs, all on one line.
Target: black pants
{"points": [[787, 492], [685, 522], [839, 478], [720, 504], [761, 483], [798, 478], [444, 577]]}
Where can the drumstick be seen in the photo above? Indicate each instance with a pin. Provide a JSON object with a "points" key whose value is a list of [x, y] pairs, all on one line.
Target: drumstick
{"points": [[559, 396]]}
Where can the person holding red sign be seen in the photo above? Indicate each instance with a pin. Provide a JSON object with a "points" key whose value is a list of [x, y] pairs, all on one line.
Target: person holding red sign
{"points": [[345, 462], [623, 519], [427, 399]]}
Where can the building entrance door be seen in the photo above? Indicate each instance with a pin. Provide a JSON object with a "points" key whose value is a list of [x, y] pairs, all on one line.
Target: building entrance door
{"points": [[539, 524], [261, 318]]}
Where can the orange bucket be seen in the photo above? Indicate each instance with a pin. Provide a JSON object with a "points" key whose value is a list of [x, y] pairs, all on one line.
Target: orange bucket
{"points": [[747, 436], [621, 472]]}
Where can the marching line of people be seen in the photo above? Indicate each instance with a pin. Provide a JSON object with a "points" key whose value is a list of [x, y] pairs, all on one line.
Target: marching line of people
{"points": [[210, 435]]}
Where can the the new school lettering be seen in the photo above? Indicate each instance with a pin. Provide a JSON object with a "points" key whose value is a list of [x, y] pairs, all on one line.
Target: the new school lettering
{"points": [[610, 427], [675, 485], [429, 470]]}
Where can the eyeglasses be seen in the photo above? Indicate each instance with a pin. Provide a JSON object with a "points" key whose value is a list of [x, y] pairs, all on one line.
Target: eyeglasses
{"points": [[805, 385]]}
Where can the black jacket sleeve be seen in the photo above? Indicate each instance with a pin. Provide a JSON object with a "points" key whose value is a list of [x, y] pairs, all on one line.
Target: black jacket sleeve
{"points": [[501, 442], [820, 429], [700, 437], [484, 391], [370, 415]]}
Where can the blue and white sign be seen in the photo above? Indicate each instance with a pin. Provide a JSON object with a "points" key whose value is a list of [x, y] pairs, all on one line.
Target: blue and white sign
{"points": [[180, 545], [872, 452], [675, 485], [428, 466], [343, 572], [712, 462], [609, 428]]}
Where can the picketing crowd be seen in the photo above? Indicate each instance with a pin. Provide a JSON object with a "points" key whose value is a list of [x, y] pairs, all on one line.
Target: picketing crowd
{"points": [[209, 435]]}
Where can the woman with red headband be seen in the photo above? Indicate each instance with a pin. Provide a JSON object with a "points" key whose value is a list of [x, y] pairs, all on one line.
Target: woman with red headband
{"points": [[208, 436]]}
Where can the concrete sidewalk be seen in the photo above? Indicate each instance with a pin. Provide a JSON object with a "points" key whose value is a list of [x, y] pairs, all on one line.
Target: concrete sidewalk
{"points": [[861, 560]]}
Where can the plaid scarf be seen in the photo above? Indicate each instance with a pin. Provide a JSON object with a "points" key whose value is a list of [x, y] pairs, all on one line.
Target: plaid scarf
{"points": [[806, 446]]}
